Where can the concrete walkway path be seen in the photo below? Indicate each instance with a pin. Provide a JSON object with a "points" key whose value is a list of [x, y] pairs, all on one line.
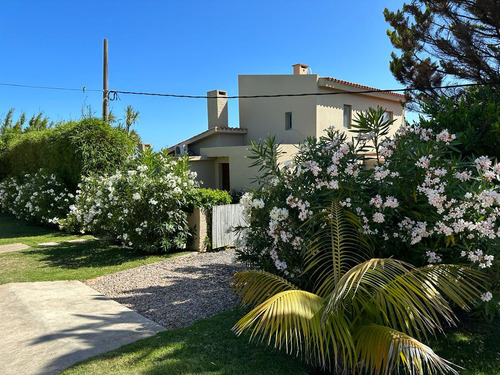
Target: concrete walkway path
{"points": [[47, 326], [13, 247]]}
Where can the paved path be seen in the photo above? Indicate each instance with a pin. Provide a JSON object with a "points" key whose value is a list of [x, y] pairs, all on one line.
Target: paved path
{"points": [[13, 247], [47, 326]]}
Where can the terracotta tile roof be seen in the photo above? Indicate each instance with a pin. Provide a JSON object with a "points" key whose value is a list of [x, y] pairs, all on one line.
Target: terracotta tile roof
{"points": [[363, 87]]}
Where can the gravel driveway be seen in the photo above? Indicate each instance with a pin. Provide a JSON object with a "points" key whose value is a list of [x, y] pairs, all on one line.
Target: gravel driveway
{"points": [[176, 292]]}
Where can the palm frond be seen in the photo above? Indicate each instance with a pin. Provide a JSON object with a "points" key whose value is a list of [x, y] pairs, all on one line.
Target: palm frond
{"points": [[383, 350], [387, 291], [390, 292], [461, 284], [336, 248], [292, 320], [254, 287], [364, 278], [394, 293]]}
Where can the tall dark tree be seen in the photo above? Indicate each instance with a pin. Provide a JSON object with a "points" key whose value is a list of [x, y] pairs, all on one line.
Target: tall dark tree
{"points": [[445, 41]]}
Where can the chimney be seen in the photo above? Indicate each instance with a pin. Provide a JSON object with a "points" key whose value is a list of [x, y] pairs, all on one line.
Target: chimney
{"points": [[217, 108], [300, 69]]}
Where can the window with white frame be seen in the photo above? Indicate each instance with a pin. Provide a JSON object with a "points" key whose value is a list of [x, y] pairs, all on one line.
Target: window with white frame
{"points": [[388, 116]]}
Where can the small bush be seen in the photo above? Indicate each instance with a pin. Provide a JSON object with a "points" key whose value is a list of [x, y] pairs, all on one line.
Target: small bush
{"points": [[40, 197], [207, 198], [145, 205], [69, 151]]}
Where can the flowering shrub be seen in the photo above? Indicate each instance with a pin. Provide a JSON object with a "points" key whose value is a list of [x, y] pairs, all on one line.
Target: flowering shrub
{"points": [[420, 202], [143, 206], [38, 197]]}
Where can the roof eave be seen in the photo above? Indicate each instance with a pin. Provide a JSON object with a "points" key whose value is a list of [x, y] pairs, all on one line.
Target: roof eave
{"points": [[208, 133], [336, 84]]}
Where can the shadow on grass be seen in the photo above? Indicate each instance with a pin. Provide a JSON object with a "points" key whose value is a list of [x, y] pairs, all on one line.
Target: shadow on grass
{"points": [[474, 345], [206, 347], [94, 253], [10, 227]]}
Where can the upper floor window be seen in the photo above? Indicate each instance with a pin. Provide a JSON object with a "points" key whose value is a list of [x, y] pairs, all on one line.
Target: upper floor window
{"points": [[388, 116], [347, 116], [288, 120]]}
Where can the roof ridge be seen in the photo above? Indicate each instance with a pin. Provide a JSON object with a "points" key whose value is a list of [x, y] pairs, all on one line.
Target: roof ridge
{"points": [[359, 86]]}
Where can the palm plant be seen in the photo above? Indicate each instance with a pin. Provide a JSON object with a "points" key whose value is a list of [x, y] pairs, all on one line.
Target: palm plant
{"points": [[361, 315], [374, 126], [131, 117]]}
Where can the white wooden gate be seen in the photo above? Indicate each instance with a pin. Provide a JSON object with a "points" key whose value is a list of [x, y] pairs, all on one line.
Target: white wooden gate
{"points": [[224, 219]]}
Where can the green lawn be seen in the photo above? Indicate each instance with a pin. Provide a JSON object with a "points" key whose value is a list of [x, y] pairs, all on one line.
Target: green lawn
{"points": [[14, 231], [68, 261], [474, 345], [208, 347]]}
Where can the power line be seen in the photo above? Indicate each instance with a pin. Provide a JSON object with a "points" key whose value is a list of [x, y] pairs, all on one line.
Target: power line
{"points": [[368, 91], [113, 94], [47, 87]]}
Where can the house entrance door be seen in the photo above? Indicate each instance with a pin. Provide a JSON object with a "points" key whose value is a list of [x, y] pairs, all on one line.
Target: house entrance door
{"points": [[224, 176]]}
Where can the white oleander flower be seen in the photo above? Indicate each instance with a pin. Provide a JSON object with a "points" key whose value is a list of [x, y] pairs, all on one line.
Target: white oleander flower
{"points": [[486, 296]]}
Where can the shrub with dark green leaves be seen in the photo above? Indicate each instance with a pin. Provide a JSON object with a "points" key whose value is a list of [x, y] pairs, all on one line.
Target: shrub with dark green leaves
{"points": [[207, 198], [473, 114], [69, 151]]}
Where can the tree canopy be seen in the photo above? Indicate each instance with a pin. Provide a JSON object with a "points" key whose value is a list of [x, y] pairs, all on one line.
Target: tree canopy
{"points": [[441, 40]]}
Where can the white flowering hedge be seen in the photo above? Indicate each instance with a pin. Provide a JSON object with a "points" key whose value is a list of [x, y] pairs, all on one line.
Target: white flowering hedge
{"points": [[40, 197], [143, 206], [420, 203]]}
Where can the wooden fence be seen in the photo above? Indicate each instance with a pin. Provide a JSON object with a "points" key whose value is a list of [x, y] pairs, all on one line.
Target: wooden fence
{"points": [[224, 219]]}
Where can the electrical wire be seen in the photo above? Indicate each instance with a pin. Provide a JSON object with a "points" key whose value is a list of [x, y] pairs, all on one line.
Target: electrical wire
{"points": [[299, 94], [47, 87], [113, 94]]}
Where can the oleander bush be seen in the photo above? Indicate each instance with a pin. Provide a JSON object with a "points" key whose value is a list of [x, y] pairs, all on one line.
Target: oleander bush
{"points": [[40, 197], [420, 203], [144, 205], [360, 315]]}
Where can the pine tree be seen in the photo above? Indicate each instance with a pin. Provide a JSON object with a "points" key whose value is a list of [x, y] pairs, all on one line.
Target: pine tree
{"points": [[445, 41]]}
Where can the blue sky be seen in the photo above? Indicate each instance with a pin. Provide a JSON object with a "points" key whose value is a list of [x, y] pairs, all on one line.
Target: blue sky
{"points": [[180, 47]]}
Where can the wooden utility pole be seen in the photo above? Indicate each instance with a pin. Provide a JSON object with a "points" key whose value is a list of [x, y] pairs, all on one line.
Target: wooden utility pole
{"points": [[105, 112]]}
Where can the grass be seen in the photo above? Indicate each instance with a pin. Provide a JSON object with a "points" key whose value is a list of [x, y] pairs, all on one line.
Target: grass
{"points": [[14, 231], [473, 345], [208, 347], [67, 261]]}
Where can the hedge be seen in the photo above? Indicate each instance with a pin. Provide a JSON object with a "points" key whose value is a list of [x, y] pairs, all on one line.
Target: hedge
{"points": [[70, 151]]}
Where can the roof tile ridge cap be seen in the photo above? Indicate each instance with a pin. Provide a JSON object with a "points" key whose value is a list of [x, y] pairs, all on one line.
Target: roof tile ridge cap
{"points": [[358, 85]]}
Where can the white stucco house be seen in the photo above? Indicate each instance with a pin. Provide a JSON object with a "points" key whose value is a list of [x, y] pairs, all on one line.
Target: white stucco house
{"points": [[218, 154]]}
